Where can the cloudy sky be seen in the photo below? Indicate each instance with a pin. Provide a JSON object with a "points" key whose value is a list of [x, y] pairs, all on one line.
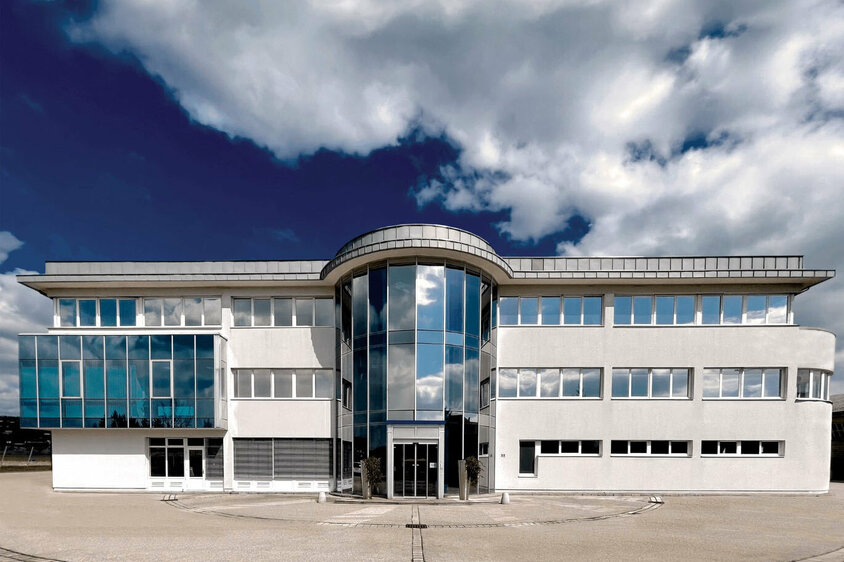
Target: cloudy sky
{"points": [[255, 130]]}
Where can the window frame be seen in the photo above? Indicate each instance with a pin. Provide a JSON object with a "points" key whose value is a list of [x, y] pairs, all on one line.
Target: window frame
{"points": [[560, 388], [181, 308], [689, 378], [649, 446], [707, 371], [57, 317], [561, 322], [579, 452], [274, 300], [294, 381], [738, 444], [698, 314], [814, 374]]}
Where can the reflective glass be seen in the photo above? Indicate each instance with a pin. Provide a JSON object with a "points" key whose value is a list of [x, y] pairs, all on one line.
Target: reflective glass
{"points": [[528, 310], [711, 308], [680, 383], [283, 381], [507, 383], [108, 312], [377, 379], [28, 379], [92, 347], [400, 376], [623, 309], [304, 312], [127, 311], [323, 312], [642, 308], [803, 380], [205, 379], [175, 462], [49, 413], [777, 309], [711, 383], [324, 385], [752, 387], [71, 347], [817, 378], [454, 299], [729, 383], [473, 304], [527, 382], [664, 310], [138, 378], [92, 370], [591, 383], [116, 411], [152, 312], [454, 378], [550, 311], [261, 312], [430, 337], [772, 383], [71, 413], [193, 311], [660, 383], [620, 383], [87, 312], [402, 291], [160, 378], [161, 347], [67, 312], [262, 388], [116, 378], [732, 309], [685, 310], [213, 311], [26, 347], [508, 308], [115, 347], [138, 347], [571, 310], [48, 379], [282, 312], [242, 312], [755, 309], [429, 377], [172, 312], [430, 297], [183, 378], [571, 382], [592, 311], [378, 300], [549, 383], [204, 346], [304, 383], [48, 347], [94, 413], [243, 383], [359, 376], [162, 413], [470, 384], [360, 304], [638, 382]]}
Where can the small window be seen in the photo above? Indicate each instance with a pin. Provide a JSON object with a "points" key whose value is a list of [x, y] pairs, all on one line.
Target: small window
{"points": [[213, 311], [710, 309], [569, 447], [87, 312], [128, 312], [549, 447], [508, 309], [242, 310], [282, 312], [623, 310], [261, 312], [592, 311], [304, 312], [527, 383], [732, 309], [262, 383], [193, 311], [590, 447], [550, 311], [67, 312], [572, 310], [108, 312], [304, 384], [527, 457], [507, 383], [171, 311], [324, 312], [642, 310], [152, 312], [528, 310], [283, 379]]}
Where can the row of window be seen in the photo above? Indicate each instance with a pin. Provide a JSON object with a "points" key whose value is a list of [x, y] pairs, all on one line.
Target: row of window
{"points": [[666, 310], [813, 384], [283, 312], [171, 311], [283, 383], [549, 383], [742, 383], [194, 457], [528, 450], [550, 311]]}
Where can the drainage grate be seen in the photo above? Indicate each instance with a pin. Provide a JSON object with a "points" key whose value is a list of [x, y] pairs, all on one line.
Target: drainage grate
{"points": [[416, 526]]}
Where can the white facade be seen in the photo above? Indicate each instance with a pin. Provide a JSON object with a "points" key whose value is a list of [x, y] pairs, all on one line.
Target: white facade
{"points": [[286, 409]]}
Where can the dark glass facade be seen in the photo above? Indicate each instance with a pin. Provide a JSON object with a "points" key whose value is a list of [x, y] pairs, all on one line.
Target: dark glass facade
{"points": [[416, 345]]}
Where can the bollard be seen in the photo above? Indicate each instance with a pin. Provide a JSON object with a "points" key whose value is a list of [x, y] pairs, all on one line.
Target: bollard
{"points": [[505, 499], [321, 497]]}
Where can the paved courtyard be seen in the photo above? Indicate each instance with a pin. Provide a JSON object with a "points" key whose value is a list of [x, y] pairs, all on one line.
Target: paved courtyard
{"points": [[37, 523]]}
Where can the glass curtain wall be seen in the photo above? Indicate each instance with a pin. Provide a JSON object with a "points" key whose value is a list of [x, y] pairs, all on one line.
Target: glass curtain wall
{"points": [[416, 344]]}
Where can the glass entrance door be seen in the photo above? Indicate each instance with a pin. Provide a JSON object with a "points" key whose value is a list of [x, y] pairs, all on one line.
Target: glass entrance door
{"points": [[415, 470]]}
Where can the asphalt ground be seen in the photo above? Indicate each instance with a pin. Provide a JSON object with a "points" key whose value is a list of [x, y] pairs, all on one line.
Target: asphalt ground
{"points": [[37, 523]]}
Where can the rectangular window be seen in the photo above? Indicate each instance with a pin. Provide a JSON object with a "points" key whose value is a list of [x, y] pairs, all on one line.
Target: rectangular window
{"points": [[528, 310], [747, 383], [755, 309], [108, 312], [242, 311], [507, 383], [777, 309], [550, 311], [651, 383], [323, 312], [650, 448], [732, 309], [527, 383], [161, 375], [262, 383], [127, 312], [304, 384], [642, 310], [710, 306], [283, 379], [508, 311], [87, 312], [572, 310], [623, 310], [193, 311], [742, 448], [527, 457], [261, 312], [549, 383], [67, 312], [570, 448], [813, 384], [592, 310], [282, 312], [304, 312], [171, 311], [152, 312]]}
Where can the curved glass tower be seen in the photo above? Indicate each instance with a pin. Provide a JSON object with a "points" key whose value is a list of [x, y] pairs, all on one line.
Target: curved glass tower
{"points": [[416, 349]]}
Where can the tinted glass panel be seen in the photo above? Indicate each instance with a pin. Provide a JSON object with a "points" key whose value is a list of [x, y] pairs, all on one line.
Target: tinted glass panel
{"points": [[93, 373], [359, 306], [623, 310], [571, 382], [28, 381], [152, 312], [454, 299], [283, 312], [213, 311], [755, 309], [618, 447], [620, 383], [752, 387], [664, 310], [772, 383], [527, 382], [138, 378], [304, 312], [729, 383], [48, 379], [549, 383], [400, 377], [161, 378], [471, 391], [262, 383], [108, 312], [571, 310], [283, 380], [454, 378], [679, 447], [709, 447], [732, 309], [711, 309], [659, 447], [378, 300], [642, 310], [549, 447], [429, 377], [685, 310], [26, 347], [639, 382], [172, 312], [777, 309], [324, 385], [592, 310], [138, 347], [71, 347], [590, 447], [193, 311], [161, 347], [261, 312], [116, 378], [87, 312], [242, 312], [591, 383], [638, 447], [527, 456], [660, 383], [67, 312], [550, 311], [508, 308], [324, 311], [128, 312], [570, 447], [402, 290], [48, 346], [70, 378], [711, 383], [528, 309], [680, 383], [473, 305], [304, 384], [507, 383], [430, 296]]}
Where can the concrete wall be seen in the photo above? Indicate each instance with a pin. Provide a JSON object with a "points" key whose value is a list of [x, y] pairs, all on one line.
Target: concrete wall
{"points": [[288, 347], [281, 418]]}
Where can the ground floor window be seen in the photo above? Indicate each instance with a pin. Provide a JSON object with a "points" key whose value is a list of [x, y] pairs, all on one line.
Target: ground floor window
{"points": [[527, 457], [194, 457], [570, 447], [282, 459], [651, 448]]}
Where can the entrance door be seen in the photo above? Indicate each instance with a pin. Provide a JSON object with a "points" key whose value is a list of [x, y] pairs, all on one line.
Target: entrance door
{"points": [[195, 466], [415, 470]]}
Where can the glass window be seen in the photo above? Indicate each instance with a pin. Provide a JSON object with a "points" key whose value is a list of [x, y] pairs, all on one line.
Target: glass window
{"points": [[282, 312], [473, 305], [67, 312], [752, 384], [430, 297], [732, 309], [454, 289], [623, 310], [527, 457], [570, 447], [261, 312], [711, 309], [592, 310], [261, 383], [591, 383], [402, 291], [727, 447], [508, 310], [161, 379], [590, 447], [661, 383], [803, 382], [128, 312], [777, 309], [172, 312], [817, 381], [528, 309], [550, 311], [729, 383], [527, 382], [549, 383], [304, 312], [620, 383], [243, 383], [770, 447], [429, 377], [659, 447], [71, 373], [571, 382], [507, 383], [571, 310], [642, 309], [70, 348], [664, 310], [242, 312], [618, 447], [324, 312], [283, 381], [193, 311], [152, 312], [87, 312], [549, 447], [680, 383], [772, 383], [324, 383], [400, 375], [108, 312], [755, 312], [638, 382], [711, 383], [213, 311], [304, 384], [685, 310]]}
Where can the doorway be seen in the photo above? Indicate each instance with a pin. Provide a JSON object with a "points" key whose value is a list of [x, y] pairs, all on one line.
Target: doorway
{"points": [[415, 470]]}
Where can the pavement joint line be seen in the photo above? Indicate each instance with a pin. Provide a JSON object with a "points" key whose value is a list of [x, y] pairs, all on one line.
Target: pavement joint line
{"points": [[832, 556], [9, 554]]}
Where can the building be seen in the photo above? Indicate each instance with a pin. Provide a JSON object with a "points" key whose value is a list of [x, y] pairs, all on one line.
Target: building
{"points": [[420, 345], [837, 453]]}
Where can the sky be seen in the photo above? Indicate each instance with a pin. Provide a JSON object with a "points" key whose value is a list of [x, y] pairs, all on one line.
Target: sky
{"points": [[188, 130]]}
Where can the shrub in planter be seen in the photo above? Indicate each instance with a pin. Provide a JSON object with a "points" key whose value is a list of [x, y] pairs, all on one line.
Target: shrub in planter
{"points": [[371, 471], [473, 471]]}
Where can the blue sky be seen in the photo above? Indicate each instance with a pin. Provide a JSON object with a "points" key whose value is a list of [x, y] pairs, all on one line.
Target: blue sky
{"points": [[260, 130]]}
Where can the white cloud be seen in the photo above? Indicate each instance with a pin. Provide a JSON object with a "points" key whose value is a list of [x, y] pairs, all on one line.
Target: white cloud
{"points": [[8, 243], [545, 99]]}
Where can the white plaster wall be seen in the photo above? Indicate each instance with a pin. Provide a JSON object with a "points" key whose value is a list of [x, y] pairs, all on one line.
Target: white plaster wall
{"points": [[95, 459], [281, 418], [288, 347]]}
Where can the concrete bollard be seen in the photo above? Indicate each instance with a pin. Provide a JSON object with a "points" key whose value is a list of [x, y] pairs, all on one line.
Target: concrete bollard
{"points": [[505, 499], [321, 497]]}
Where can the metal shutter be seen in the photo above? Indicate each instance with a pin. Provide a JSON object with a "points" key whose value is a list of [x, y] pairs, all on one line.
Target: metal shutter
{"points": [[214, 458], [302, 459], [253, 459]]}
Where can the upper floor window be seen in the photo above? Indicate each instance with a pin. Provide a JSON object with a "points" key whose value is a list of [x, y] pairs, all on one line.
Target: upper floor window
{"points": [[182, 311], [550, 311], [813, 384], [93, 312], [741, 448], [283, 383], [742, 383], [650, 383], [283, 311], [549, 383], [679, 310], [651, 448]]}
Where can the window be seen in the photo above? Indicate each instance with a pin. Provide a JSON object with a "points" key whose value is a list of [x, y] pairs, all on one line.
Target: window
{"points": [[178, 311], [650, 383], [508, 311], [527, 457], [483, 449], [549, 383], [550, 311], [570, 448], [651, 448], [107, 313], [813, 384], [284, 383], [742, 448], [747, 383], [279, 311], [679, 310], [299, 459], [166, 457]]}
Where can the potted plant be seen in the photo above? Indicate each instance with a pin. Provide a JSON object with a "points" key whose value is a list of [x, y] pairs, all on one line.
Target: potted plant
{"points": [[371, 475], [473, 471]]}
